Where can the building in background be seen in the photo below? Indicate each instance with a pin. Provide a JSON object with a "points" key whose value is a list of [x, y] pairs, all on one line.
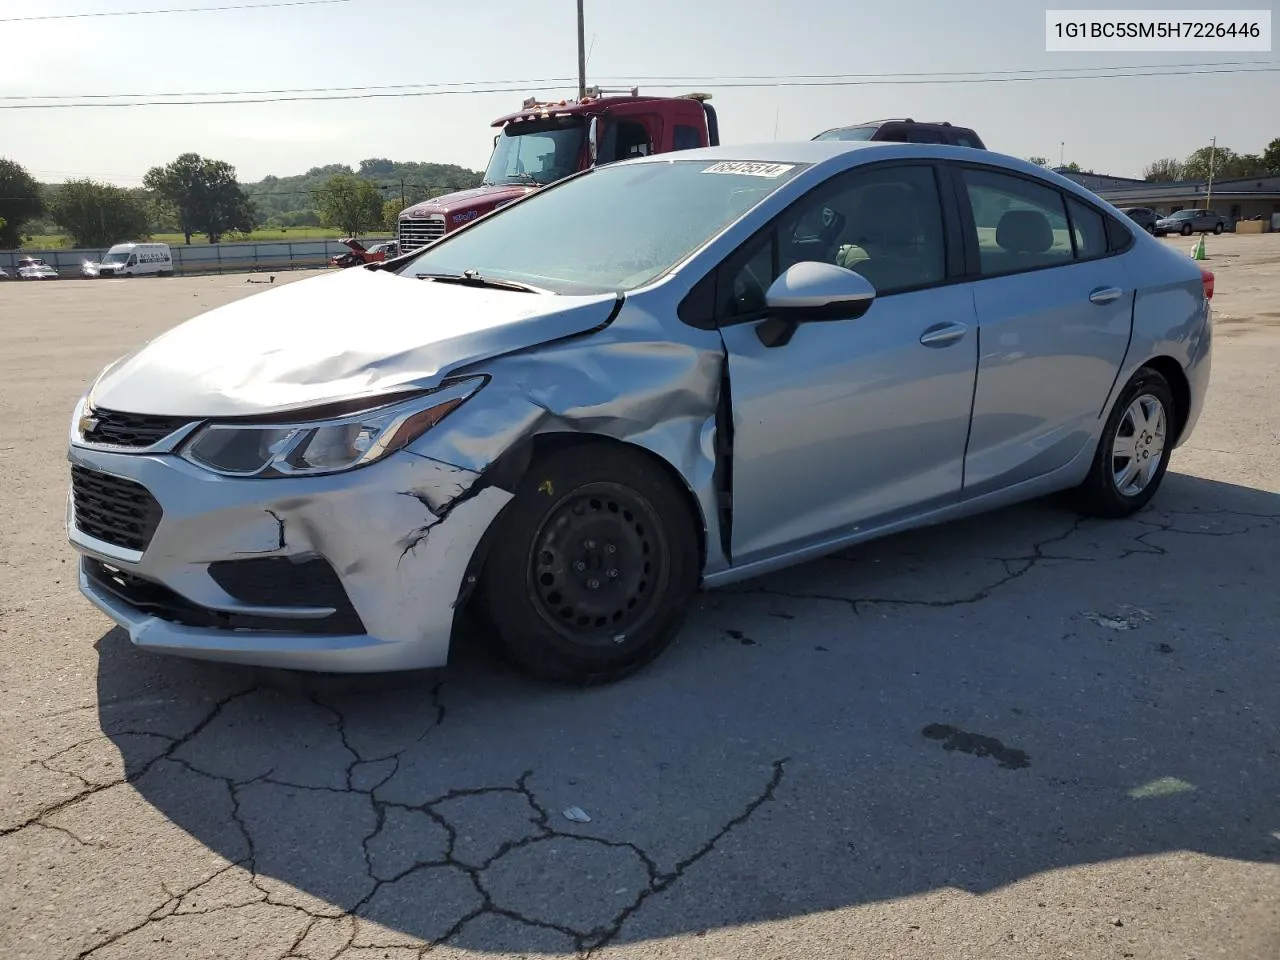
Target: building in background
{"points": [[1242, 198]]}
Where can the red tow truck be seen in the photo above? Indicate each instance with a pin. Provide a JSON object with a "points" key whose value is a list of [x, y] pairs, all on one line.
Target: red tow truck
{"points": [[547, 141]]}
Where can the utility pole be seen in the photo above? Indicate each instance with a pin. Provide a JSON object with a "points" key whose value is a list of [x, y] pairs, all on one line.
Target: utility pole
{"points": [[1213, 151], [1062, 153], [582, 54], [402, 203]]}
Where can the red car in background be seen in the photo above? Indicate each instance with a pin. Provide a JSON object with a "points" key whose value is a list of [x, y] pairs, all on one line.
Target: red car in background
{"points": [[360, 254]]}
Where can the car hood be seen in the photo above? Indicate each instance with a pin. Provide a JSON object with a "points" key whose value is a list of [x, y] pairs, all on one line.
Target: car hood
{"points": [[463, 198], [334, 337]]}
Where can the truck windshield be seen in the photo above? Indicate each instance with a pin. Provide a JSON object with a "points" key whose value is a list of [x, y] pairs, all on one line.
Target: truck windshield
{"points": [[613, 229], [536, 151], [115, 257]]}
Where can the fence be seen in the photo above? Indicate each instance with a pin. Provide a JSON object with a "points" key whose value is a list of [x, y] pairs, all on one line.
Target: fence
{"points": [[204, 258]]}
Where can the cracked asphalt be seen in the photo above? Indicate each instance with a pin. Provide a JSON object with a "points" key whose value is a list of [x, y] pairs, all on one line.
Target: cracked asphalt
{"points": [[1023, 735]]}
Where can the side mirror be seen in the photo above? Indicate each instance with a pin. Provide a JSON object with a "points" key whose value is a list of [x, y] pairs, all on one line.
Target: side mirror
{"points": [[593, 144], [812, 292]]}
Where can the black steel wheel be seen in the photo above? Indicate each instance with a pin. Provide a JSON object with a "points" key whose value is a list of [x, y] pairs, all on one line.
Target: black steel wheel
{"points": [[593, 566], [599, 558]]}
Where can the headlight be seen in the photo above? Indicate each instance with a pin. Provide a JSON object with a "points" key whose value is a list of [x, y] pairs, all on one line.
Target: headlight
{"points": [[308, 448]]}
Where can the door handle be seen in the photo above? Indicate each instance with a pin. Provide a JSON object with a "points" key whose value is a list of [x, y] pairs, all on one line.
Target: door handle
{"points": [[1105, 295], [943, 334]]}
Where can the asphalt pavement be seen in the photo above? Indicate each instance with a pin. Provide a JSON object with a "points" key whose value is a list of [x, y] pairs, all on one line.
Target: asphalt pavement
{"points": [[1023, 735]]}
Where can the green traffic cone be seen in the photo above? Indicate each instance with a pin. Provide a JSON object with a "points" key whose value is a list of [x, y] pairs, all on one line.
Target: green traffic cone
{"points": [[1198, 252]]}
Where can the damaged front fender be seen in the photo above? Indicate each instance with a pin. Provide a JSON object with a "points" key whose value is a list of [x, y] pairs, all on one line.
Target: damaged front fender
{"points": [[630, 383]]}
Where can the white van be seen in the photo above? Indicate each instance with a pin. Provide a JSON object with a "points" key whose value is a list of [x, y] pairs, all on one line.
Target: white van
{"points": [[132, 260]]}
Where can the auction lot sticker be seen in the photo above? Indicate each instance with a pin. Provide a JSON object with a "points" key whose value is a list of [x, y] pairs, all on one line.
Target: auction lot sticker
{"points": [[750, 168]]}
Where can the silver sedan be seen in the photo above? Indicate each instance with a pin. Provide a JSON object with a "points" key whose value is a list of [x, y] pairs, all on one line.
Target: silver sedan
{"points": [[657, 376]]}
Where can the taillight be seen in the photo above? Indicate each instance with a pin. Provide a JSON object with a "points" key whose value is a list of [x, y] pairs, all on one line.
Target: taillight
{"points": [[1207, 277]]}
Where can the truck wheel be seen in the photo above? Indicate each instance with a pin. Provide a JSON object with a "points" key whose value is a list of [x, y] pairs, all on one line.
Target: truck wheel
{"points": [[1133, 451], [593, 567]]}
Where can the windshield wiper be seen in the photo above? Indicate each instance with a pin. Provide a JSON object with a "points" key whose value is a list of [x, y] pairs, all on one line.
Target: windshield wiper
{"points": [[472, 278], [522, 178]]}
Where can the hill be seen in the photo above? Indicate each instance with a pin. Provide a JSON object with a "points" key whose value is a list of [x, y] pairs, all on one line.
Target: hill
{"points": [[290, 201]]}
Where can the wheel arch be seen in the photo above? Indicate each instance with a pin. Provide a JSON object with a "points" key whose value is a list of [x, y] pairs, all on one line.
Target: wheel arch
{"points": [[1172, 371], [508, 470]]}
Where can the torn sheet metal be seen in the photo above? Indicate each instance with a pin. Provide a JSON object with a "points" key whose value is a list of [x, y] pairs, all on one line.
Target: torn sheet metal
{"points": [[631, 382]]}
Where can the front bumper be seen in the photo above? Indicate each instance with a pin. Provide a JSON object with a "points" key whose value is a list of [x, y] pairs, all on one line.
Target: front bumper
{"points": [[396, 537]]}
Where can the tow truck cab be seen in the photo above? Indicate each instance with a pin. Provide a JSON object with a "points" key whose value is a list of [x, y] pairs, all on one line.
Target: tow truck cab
{"points": [[545, 142]]}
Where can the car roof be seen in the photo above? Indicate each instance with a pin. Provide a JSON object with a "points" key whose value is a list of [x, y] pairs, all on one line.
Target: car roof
{"points": [[865, 151]]}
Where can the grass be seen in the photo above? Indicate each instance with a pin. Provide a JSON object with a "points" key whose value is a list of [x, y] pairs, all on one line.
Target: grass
{"points": [[56, 241]]}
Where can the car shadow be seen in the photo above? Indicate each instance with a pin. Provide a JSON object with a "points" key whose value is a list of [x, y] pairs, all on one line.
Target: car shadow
{"points": [[966, 706]]}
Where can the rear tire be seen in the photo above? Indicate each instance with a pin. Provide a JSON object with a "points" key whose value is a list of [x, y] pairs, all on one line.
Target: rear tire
{"points": [[1133, 451], [593, 568]]}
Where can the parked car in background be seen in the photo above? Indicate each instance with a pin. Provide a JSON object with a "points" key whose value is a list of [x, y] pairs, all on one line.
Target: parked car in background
{"points": [[360, 254], [677, 371], [131, 260], [906, 131], [3, 274], [34, 268], [1144, 217], [1187, 222]]}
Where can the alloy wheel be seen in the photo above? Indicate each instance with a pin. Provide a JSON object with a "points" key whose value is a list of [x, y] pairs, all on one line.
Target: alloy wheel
{"points": [[1138, 448]]}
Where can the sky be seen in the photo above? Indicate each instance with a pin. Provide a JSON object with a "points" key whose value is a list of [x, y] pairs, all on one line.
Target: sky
{"points": [[1114, 125]]}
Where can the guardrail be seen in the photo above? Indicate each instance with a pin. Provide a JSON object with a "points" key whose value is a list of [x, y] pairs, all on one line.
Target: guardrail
{"points": [[203, 258]]}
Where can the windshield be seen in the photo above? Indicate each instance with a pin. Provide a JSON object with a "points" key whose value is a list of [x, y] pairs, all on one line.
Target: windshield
{"points": [[612, 229], [536, 152], [115, 258], [1182, 215], [849, 133]]}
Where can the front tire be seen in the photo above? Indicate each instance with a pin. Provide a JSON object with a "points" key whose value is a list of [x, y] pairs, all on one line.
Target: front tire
{"points": [[1186, 229], [1133, 451], [593, 567], [1217, 229]]}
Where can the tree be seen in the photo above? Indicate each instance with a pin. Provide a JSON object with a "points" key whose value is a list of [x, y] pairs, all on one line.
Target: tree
{"points": [[1271, 157], [1039, 161], [98, 214], [204, 196], [1163, 171], [20, 201], [1227, 164], [391, 213], [351, 203]]}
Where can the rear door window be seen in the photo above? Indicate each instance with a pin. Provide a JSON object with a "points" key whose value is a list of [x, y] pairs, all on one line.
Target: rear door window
{"points": [[1021, 225]]}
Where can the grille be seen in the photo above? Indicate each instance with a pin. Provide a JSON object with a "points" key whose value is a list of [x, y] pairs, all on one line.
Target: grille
{"points": [[158, 600], [281, 582], [416, 233], [131, 429], [113, 509]]}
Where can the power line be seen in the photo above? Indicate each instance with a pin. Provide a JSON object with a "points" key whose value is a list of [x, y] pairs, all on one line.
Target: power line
{"points": [[147, 13], [770, 79], [236, 93], [713, 85]]}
